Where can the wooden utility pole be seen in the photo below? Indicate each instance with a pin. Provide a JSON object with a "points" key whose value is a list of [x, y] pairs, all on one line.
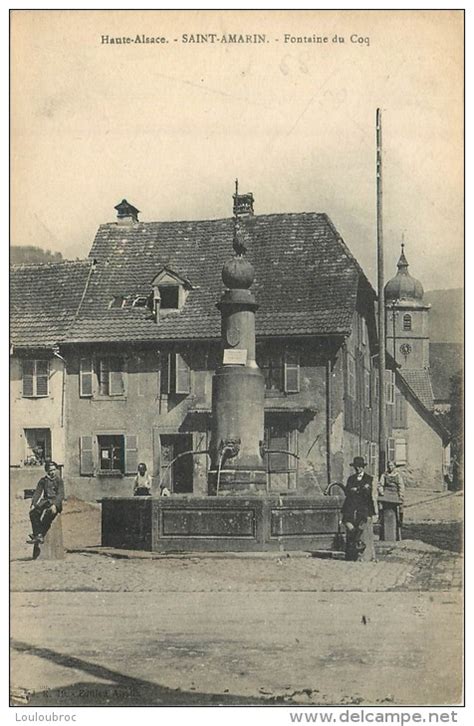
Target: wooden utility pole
{"points": [[381, 297]]}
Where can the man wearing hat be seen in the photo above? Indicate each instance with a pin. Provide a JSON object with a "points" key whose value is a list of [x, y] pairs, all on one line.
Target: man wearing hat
{"points": [[360, 505], [47, 503]]}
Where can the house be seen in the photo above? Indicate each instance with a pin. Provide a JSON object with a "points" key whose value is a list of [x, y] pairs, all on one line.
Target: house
{"points": [[142, 351], [44, 298], [138, 338]]}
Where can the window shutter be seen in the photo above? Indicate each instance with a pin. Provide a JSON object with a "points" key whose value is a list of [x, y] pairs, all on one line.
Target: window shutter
{"points": [[131, 454], [28, 376], [400, 418], [292, 373], [351, 376], [390, 449], [85, 377], [400, 451], [116, 387], [104, 376], [183, 375], [364, 332], [42, 377], [86, 445], [389, 387], [375, 385], [368, 401], [373, 458], [165, 382], [293, 447]]}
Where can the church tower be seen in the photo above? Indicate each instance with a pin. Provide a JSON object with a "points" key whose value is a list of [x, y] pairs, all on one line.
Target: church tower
{"points": [[407, 319]]}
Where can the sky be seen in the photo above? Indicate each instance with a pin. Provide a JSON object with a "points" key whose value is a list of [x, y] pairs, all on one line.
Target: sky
{"points": [[169, 126]]}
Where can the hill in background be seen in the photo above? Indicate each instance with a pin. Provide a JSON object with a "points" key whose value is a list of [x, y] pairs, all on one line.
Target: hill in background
{"points": [[30, 253], [446, 315]]}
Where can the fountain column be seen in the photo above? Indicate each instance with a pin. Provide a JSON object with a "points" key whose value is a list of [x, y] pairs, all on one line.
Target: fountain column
{"points": [[238, 389]]}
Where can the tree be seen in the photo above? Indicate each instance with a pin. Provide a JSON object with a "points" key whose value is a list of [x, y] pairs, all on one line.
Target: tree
{"points": [[20, 255], [456, 421]]}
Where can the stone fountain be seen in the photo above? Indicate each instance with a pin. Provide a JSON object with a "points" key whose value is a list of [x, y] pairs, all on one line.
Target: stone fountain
{"points": [[239, 513]]}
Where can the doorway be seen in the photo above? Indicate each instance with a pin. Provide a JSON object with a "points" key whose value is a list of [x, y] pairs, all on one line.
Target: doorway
{"points": [[176, 475]]}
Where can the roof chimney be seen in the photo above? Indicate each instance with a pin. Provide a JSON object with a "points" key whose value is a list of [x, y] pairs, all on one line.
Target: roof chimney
{"points": [[126, 213], [243, 203]]}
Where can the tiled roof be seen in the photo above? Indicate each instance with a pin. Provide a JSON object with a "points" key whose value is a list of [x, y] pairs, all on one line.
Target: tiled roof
{"points": [[44, 299], [446, 359], [306, 279], [420, 383]]}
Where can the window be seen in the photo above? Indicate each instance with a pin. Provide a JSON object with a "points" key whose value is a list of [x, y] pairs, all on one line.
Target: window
{"points": [[272, 370], [292, 373], [112, 454], [117, 301], [351, 376], [110, 372], [35, 378], [279, 440], [110, 378], [389, 387], [407, 322], [169, 295], [38, 446], [169, 291], [175, 374], [140, 302], [281, 372]]}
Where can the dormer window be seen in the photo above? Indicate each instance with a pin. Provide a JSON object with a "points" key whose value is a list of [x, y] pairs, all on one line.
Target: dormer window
{"points": [[170, 291]]}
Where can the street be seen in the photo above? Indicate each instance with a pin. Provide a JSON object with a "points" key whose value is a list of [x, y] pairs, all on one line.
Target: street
{"points": [[298, 629]]}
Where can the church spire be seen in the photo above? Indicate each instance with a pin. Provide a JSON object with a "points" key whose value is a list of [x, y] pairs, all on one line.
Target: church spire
{"points": [[402, 263]]}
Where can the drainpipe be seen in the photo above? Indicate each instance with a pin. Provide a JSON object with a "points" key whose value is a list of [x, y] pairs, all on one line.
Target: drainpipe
{"points": [[63, 385], [328, 420]]}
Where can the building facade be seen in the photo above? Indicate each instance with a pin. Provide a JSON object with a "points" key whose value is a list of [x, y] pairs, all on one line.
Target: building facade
{"points": [[128, 377]]}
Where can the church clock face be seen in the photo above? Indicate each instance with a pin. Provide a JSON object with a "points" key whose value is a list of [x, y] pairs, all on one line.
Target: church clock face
{"points": [[405, 349]]}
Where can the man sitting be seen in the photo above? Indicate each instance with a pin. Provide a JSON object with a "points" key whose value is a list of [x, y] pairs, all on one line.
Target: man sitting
{"points": [[47, 502]]}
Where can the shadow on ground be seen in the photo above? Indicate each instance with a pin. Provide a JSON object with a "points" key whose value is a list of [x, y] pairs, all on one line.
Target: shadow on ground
{"points": [[122, 690], [444, 535]]}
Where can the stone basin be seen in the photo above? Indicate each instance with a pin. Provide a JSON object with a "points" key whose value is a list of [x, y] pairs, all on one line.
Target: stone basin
{"points": [[185, 523]]}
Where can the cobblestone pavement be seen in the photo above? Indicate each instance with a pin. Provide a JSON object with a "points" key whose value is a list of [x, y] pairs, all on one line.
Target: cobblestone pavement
{"points": [[159, 630], [408, 565]]}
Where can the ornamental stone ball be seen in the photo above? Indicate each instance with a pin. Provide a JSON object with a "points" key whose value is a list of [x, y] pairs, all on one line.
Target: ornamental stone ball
{"points": [[238, 273]]}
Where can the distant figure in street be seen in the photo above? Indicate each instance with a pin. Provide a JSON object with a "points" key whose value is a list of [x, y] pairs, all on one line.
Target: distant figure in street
{"points": [[391, 489], [47, 502], [360, 506], [142, 484]]}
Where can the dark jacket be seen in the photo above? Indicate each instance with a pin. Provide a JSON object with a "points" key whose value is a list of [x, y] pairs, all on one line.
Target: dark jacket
{"points": [[358, 504], [50, 491]]}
